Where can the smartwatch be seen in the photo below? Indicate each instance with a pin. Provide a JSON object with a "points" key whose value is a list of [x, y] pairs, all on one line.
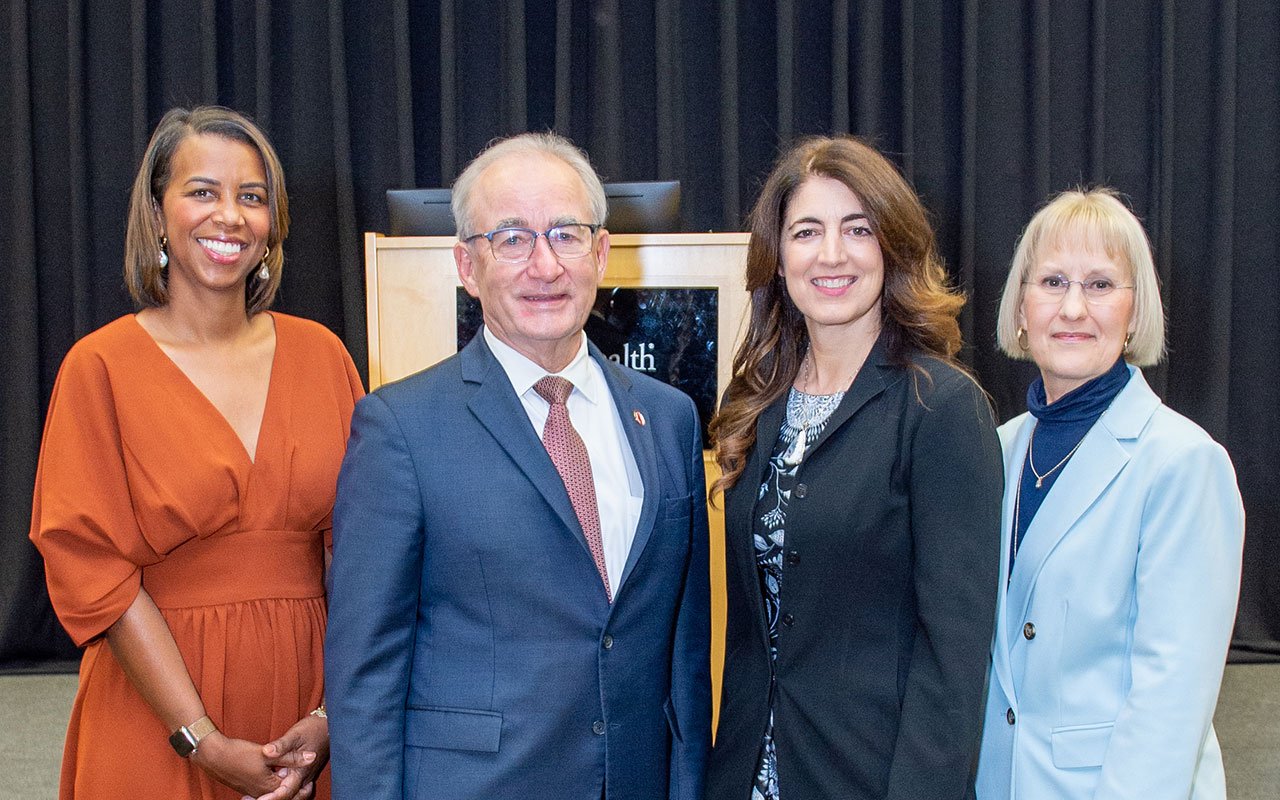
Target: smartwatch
{"points": [[186, 739]]}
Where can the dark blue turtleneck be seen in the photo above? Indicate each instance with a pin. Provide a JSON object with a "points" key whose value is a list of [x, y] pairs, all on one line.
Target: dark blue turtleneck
{"points": [[1059, 428]]}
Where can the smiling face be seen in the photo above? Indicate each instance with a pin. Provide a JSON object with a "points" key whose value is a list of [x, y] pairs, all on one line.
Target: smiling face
{"points": [[215, 215], [1072, 338], [538, 307], [831, 260]]}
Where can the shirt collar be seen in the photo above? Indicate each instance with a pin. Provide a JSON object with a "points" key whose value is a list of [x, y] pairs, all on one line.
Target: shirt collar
{"points": [[524, 373]]}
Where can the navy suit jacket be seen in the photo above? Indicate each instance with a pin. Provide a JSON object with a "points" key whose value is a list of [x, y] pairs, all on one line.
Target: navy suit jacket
{"points": [[471, 651]]}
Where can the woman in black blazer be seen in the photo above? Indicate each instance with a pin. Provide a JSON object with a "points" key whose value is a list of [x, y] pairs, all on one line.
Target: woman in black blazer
{"points": [[862, 484]]}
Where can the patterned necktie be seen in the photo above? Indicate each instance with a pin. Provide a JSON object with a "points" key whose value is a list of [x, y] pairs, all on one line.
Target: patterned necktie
{"points": [[569, 454]]}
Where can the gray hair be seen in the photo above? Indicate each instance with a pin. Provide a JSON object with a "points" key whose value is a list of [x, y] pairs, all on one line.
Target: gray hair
{"points": [[1096, 219], [548, 144]]}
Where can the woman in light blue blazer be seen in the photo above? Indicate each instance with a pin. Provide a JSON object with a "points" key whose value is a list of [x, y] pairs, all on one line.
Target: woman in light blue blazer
{"points": [[1123, 530]]}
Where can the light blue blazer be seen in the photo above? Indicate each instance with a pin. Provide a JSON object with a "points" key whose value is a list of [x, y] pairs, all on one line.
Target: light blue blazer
{"points": [[1113, 628]]}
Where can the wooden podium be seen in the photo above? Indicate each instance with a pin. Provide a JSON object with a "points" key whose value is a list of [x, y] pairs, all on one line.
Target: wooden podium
{"points": [[412, 283]]}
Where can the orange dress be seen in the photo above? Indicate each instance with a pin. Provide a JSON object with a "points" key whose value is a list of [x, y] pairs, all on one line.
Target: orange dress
{"points": [[143, 483]]}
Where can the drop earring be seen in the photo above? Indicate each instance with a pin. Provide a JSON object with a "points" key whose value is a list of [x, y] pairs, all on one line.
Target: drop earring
{"points": [[164, 257], [264, 274]]}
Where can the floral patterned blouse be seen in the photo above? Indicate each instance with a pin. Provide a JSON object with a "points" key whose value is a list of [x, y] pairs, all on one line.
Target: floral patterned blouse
{"points": [[807, 415]]}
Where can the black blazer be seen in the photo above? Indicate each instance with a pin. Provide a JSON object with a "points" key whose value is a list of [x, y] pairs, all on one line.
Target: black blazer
{"points": [[888, 596]]}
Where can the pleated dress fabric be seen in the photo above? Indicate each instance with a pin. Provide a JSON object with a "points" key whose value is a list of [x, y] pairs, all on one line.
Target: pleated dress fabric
{"points": [[142, 483]]}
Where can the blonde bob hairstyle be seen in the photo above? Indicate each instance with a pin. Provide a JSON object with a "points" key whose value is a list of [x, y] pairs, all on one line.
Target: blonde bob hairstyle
{"points": [[146, 280], [1096, 220]]}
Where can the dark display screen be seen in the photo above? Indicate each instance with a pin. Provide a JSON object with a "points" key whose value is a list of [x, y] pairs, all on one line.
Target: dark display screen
{"points": [[669, 334]]}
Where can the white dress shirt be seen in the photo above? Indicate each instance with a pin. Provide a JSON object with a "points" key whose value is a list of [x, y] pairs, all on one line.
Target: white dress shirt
{"points": [[619, 490]]}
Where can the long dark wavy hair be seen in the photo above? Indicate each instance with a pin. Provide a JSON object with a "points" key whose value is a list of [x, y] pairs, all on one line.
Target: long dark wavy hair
{"points": [[919, 310]]}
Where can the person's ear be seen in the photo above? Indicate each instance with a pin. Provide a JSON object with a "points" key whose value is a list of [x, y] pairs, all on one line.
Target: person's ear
{"points": [[464, 260]]}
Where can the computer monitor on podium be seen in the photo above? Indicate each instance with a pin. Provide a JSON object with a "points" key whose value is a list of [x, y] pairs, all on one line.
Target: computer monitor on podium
{"points": [[637, 207], [420, 212], [643, 207]]}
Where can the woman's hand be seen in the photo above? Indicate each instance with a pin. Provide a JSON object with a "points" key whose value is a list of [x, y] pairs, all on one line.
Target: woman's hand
{"points": [[144, 646], [298, 757], [238, 763]]}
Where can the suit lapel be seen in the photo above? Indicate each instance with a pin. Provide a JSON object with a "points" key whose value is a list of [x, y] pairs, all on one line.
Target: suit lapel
{"points": [[871, 380], [1089, 472], [748, 489], [1012, 469], [643, 450], [496, 406], [869, 383], [1086, 476]]}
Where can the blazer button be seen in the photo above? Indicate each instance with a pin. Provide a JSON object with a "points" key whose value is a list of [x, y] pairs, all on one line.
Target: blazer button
{"points": [[607, 642], [788, 620], [801, 490], [793, 557], [1029, 631], [597, 728], [1009, 715]]}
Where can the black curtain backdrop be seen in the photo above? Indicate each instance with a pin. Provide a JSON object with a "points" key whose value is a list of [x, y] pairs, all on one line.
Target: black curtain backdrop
{"points": [[989, 107]]}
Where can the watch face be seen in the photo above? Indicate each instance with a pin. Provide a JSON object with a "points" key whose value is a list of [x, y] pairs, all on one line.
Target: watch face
{"points": [[183, 741]]}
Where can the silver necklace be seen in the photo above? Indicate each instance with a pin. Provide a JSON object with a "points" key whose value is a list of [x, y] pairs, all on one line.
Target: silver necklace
{"points": [[1017, 523], [804, 376], [1031, 458], [805, 410]]}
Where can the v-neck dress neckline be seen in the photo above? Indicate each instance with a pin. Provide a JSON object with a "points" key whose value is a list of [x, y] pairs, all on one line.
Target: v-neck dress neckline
{"points": [[264, 426], [143, 484]]}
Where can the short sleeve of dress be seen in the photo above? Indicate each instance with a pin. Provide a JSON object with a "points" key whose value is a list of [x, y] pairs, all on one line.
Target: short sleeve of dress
{"points": [[353, 377], [355, 385], [82, 520]]}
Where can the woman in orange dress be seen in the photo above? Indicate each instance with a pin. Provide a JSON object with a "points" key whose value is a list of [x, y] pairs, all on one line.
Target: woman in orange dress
{"points": [[185, 490]]}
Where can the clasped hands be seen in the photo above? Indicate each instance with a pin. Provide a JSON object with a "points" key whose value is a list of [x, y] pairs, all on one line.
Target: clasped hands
{"points": [[283, 769]]}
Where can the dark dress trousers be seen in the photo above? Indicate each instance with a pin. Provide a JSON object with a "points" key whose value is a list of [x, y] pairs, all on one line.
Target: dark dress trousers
{"points": [[888, 596], [471, 652]]}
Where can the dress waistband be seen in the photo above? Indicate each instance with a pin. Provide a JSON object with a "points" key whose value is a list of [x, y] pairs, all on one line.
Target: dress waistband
{"points": [[238, 567]]}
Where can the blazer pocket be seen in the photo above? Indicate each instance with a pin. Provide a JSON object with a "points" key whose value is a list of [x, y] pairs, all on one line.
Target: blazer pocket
{"points": [[674, 508], [1076, 746], [670, 711], [453, 729]]}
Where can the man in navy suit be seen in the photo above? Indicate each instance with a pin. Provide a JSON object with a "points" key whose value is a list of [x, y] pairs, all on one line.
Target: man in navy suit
{"points": [[520, 600]]}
